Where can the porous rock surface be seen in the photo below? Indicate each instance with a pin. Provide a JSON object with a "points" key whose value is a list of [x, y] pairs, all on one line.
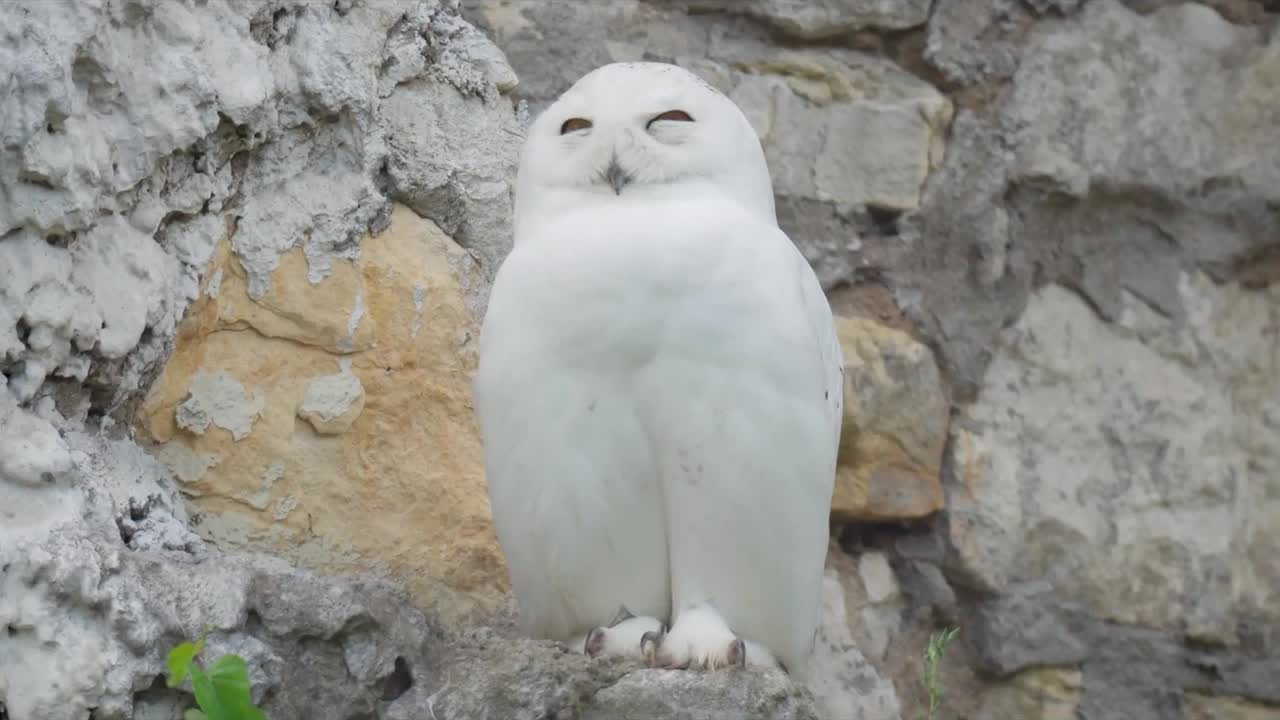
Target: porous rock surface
{"points": [[244, 245]]}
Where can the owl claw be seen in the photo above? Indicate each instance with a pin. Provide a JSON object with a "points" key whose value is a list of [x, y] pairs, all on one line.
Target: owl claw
{"points": [[594, 644], [621, 637], [649, 644], [701, 640], [737, 654]]}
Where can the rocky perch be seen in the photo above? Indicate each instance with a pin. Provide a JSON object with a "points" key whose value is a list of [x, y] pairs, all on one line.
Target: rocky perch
{"points": [[91, 612]]}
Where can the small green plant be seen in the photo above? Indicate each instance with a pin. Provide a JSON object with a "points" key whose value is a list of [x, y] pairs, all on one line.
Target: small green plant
{"points": [[932, 659], [222, 690]]}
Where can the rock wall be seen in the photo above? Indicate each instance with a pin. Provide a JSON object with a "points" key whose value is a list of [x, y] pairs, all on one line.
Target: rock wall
{"points": [[245, 245]]}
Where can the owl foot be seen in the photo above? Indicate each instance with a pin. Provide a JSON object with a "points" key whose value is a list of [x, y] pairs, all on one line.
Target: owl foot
{"points": [[649, 644], [699, 640], [622, 636]]}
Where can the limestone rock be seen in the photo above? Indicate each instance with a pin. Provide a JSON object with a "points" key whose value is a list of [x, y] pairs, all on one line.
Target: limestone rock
{"points": [[114, 178], [320, 648], [1184, 145], [32, 453], [674, 693], [1042, 693], [384, 471], [218, 399], [1128, 465], [857, 623], [332, 402], [1020, 630], [895, 425], [1095, 168], [70, 596], [826, 18], [492, 676], [976, 41], [1208, 707], [839, 126]]}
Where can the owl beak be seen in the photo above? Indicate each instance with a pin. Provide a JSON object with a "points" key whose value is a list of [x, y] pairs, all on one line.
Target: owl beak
{"points": [[617, 177]]}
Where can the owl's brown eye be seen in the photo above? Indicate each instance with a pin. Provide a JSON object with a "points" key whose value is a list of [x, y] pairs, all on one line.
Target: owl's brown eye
{"points": [[574, 124], [676, 115]]}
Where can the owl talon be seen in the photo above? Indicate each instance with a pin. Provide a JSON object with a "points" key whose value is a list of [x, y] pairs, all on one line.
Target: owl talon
{"points": [[737, 655], [701, 640], [595, 642], [650, 642]]}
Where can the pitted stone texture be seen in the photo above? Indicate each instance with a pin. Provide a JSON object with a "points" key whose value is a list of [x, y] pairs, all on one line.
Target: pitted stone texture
{"points": [[824, 19], [487, 675], [362, 452], [714, 696], [63, 309], [66, 549], [118, 178], [859, 622], [973, 42], [98, 619]]}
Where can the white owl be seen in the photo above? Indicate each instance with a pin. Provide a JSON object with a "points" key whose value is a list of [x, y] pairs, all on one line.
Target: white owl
{"points": [[659, 384]]}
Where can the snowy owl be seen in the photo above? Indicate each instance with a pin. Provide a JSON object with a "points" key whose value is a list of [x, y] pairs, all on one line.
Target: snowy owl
{"points": [[659, 384]]}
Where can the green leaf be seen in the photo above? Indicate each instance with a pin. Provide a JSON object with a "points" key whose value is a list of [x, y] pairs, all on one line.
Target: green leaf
{"points": [[207, 696], [194, 714], [180, 660], [230, 677]]}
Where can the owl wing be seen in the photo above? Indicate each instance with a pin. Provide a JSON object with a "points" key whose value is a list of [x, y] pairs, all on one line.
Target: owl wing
{"points": [[817, 310]]}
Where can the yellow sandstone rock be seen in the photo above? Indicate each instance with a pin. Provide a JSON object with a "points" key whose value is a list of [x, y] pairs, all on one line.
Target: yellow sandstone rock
{"points": [[1197, 706], [332, 423], [896, 415], [1042, 693]]}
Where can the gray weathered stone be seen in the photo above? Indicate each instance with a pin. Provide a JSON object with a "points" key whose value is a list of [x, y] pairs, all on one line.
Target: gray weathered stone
{"points": [[1018, 631], [973, 42], [1099, 455], [483, 674], [720, 696], [1096, 150], [858, 623], [822, 19]]}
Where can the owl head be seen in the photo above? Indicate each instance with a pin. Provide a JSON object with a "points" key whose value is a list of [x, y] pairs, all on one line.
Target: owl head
{"points": [[643, 131]]}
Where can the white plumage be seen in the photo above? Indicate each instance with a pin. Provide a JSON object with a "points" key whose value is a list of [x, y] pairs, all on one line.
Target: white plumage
{"points": [[659, 383]]}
